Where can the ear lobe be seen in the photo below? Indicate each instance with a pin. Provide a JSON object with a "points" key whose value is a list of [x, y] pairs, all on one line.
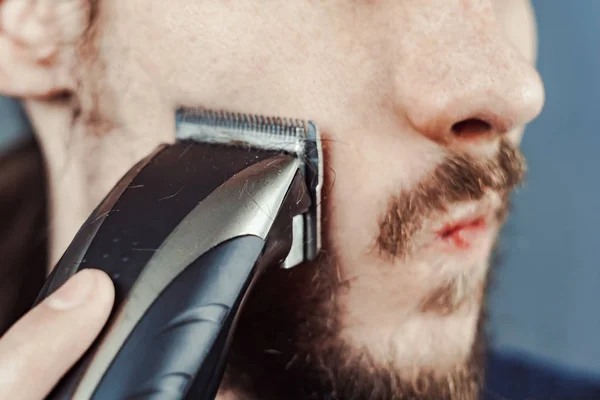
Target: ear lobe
{"points": [[37, 45]]}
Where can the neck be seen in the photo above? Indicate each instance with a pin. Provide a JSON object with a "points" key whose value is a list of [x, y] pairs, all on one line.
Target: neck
{"points": [[82, 167]]}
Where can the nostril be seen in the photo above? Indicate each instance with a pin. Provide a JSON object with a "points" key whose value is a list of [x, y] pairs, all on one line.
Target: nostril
{"points": [[470, 128]]}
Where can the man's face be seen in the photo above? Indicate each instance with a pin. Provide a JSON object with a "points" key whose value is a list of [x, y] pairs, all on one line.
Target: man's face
{"points": [[420, 103]]}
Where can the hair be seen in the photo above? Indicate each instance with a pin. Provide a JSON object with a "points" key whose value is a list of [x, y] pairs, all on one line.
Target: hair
{"points": [[23, 230]]}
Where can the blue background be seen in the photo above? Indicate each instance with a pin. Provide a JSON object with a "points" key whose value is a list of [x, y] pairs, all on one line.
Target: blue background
{"points": [[547, 295]]}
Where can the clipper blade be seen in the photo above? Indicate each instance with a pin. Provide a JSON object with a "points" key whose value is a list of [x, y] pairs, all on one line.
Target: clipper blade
{"points": [[297, 137]]}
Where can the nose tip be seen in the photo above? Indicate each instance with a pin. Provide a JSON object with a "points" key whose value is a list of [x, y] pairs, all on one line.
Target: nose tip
{"points": [[482, 103]]}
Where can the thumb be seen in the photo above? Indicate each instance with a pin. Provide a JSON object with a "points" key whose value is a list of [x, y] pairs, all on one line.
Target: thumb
{"points": [[41, 347]]}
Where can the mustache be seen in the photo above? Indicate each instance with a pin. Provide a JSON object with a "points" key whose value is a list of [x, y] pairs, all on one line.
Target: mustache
{"points": [[461, 177]]}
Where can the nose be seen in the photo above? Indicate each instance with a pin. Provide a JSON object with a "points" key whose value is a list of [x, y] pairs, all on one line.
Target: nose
{"points": [[468, 88]]}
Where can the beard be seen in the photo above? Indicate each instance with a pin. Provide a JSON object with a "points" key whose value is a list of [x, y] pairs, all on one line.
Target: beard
{"points": [[288, 344]]}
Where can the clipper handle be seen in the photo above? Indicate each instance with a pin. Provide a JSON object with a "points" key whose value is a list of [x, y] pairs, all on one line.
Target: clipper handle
{"points": [[176, 302], [178, 349]]}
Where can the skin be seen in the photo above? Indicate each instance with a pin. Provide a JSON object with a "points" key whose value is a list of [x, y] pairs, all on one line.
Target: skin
{"points": [[390, 84], [46, 342]]}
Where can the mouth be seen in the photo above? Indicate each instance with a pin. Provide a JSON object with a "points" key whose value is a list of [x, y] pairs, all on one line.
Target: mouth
{"points": [[467, 227], [464, 233]]}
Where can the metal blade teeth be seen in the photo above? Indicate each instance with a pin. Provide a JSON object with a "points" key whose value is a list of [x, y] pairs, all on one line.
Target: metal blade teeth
{"points": [[248, 122]]}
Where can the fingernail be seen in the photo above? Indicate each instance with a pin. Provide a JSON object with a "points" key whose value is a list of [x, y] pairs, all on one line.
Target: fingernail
{"points": [[74, 292]]}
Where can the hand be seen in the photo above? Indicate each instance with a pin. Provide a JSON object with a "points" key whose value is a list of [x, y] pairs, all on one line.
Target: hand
{"points": [[41, 347]]}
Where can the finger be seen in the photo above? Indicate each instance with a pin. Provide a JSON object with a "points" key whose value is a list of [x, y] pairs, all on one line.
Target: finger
{"points": [[41, 347]]}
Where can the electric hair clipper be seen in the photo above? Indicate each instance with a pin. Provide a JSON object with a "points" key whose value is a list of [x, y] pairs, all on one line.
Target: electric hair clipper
{"points": [[184, 235]]}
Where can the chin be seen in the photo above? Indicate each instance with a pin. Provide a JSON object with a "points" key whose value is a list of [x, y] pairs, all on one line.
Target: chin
{"points": [[306, 328], [434, 331]]}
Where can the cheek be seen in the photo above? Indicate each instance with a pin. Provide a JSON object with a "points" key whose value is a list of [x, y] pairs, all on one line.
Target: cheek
{"points": [[362, 173], [353, 203]]}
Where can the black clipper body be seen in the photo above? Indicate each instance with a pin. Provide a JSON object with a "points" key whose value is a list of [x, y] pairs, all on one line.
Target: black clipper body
{"points": [[184, 235]]}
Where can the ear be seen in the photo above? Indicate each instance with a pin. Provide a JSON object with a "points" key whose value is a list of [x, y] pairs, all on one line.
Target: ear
{"points": [[37, 45]]}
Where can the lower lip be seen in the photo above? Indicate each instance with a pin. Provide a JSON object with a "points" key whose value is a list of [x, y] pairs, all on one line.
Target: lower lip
{"points": [[464, 235]]}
